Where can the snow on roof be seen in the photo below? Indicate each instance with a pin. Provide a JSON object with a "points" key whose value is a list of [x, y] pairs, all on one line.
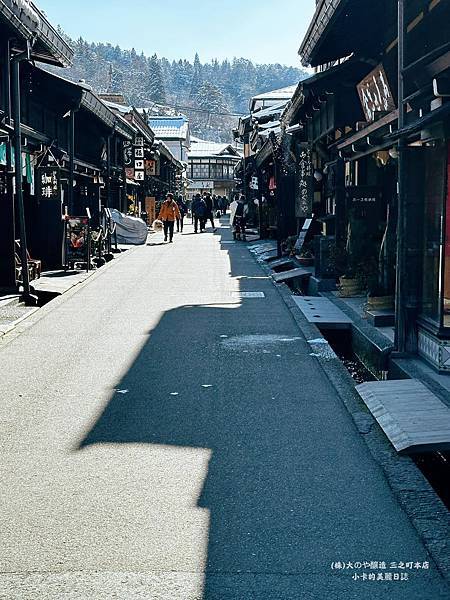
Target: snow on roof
{"points": [[118, 107], [206, 148], [281, 94], [169, 127], [275, 109]]}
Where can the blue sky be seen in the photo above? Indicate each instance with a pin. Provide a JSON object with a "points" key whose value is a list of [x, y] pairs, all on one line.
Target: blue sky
{"points": [[261, 30]]}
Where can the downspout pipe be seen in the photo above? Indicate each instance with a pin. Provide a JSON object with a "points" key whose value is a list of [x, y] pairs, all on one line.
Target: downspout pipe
{"points": [[28, 298]]}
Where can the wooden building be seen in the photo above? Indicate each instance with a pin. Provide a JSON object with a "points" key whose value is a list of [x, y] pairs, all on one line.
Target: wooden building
{"points": [[25, 35], [211, 168], [375, 123]]}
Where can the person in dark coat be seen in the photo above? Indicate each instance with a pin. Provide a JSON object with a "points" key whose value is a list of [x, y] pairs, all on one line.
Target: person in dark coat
{"points": [[209, 210], [183, 211], [223, 205], [199, 211]]}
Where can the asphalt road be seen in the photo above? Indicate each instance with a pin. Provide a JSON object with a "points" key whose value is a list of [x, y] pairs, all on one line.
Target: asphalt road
{"points": [[164, 439]]}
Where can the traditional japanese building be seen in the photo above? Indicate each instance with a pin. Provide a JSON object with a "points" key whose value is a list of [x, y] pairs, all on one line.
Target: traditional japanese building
{"points": [[211, 168], [175, 132], [377, 127], [25, 35], [267, 172]]}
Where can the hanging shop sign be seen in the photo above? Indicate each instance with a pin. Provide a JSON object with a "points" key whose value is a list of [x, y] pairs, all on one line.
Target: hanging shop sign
{"points": [[139, 175], [375, 94], [139, 141], [128, 154], [302, 236], [254, 183], [129, 172], [305, 193], [139, 152], [49, 187], [76, 241], [150, 168]]}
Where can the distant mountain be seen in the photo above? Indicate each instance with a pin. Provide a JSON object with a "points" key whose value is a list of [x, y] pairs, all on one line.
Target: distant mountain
{"points": [[211, 94]]}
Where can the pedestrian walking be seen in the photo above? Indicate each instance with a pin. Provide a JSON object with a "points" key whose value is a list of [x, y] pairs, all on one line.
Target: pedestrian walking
{"points": [[239, 211], [223, 205], [168, 214], [209, 210], [199, 211], [183, 211]]}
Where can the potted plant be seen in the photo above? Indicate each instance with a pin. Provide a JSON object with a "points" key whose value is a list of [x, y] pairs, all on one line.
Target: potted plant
{"points": [[306, 258], [378, 296]]}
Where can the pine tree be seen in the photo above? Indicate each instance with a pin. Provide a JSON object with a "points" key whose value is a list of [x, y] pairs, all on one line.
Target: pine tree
{"points": [[196, 77], [155, 89]]}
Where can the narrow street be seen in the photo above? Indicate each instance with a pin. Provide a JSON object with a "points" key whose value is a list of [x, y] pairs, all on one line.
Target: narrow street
{"points": [[163, 438]]}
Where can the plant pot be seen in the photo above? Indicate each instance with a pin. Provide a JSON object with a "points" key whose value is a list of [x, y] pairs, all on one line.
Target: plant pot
{"points": [[380, 302], [349, 287]]}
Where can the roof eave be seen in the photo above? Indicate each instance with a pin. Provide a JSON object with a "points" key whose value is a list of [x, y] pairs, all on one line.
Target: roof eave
{"points": [[325, 12]]}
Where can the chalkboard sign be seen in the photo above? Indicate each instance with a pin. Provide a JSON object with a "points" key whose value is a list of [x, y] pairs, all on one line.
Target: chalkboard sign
{"points": [[77, 241]]}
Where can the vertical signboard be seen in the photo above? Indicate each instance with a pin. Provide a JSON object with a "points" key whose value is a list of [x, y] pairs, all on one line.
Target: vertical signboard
{"points": [[305, 191], [49, 187]]}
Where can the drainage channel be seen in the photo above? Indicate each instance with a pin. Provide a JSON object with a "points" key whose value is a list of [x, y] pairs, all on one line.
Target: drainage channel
{"points": [[435, 466]]}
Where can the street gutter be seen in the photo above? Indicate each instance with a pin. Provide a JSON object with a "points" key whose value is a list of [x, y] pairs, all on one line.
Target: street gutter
{"points": [[425, 509]]}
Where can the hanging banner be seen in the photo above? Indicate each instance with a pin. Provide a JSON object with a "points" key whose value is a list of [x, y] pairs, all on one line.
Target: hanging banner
{"points": [[48, 183], [305, 192]]}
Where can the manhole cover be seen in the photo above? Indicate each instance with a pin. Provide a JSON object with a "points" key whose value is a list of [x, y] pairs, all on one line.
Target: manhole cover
{"points": [[248, 294]]}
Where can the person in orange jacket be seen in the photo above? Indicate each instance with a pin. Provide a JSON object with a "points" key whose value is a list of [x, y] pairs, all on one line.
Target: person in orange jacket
{"points": [[168, 214]]}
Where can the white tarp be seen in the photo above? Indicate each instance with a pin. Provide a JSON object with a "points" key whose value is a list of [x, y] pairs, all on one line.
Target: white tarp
{"points": [[130, 230]]}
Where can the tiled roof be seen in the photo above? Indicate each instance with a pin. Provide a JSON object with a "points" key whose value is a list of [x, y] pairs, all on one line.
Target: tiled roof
{"points": [[169, 127]]}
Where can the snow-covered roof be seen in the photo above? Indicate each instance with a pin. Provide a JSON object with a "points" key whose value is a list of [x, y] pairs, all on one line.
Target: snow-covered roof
{"points": [[281, 94], [203, 148], [275, 109], [117, 107], [166, 128]]}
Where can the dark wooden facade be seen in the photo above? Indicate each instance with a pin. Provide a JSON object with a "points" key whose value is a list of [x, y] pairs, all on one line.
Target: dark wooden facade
{"points": [[381, 150]]}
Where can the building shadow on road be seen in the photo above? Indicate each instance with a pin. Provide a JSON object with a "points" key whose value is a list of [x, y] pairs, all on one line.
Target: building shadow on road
{"points": [[249, 489], [216, 377]]}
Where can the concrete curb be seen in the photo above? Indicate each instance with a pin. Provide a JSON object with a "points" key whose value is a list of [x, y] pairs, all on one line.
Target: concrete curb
{"points": [[35, 315], [415, 495]]}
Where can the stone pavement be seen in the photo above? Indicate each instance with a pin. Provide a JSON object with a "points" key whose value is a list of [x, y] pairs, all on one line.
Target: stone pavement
{"points": [[165, 438]]}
